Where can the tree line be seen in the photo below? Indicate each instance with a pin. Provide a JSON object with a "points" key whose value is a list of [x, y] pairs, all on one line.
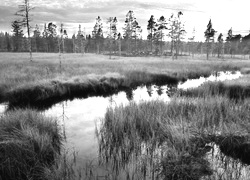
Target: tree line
{"points": [[233, 44], [54, 38]]}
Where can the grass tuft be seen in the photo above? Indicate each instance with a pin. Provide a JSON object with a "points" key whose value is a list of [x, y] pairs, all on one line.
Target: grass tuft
{"points": [[29, 143]]}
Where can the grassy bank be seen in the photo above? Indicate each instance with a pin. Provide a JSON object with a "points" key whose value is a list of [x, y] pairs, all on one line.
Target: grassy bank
{"points": [[238, 89], [170, 140], [48, 93], [18, 76], [30, 145]]}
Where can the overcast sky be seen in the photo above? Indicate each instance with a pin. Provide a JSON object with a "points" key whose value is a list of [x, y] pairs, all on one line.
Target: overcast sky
{"points": [[196, 13]]}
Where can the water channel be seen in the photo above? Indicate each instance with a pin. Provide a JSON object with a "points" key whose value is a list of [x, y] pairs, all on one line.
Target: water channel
{"points": [[80, 117]]}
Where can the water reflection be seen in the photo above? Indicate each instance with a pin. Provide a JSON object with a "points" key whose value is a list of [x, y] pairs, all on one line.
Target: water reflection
{"points": [[3, 108], [219, 76], [79, 122], [84, 114], [80, 116], [225, 167]]}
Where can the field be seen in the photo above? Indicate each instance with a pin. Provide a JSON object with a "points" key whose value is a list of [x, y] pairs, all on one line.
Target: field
{"points": [[16, 70], [161, 140], [19, 76]]}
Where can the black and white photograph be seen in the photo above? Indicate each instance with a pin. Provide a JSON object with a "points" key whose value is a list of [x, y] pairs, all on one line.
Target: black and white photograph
{"points": [[124, 90]]}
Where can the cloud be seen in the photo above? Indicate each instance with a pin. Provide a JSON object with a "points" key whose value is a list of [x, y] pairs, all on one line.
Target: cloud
{"points": [[84, 12], [6, 17]]}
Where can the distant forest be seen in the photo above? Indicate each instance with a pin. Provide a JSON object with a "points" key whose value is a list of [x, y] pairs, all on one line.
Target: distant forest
{"points": [[53, 38], [80, 44]]}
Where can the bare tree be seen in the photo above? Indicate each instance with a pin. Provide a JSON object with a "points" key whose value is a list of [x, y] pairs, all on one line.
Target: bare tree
{"points": [[119, 38], [24, 12], [63, 34], [192, 43], [112, 35]]}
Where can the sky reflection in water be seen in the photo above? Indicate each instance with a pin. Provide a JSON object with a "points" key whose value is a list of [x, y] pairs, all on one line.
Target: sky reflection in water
{"points": [[80, 116]]}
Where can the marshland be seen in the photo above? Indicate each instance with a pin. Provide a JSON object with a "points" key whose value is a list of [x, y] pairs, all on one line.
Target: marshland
{"points": [[125, 118], [158, 93]]}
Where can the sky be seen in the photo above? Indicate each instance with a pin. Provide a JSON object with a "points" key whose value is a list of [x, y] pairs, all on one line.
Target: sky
{"points": [[224, 14]]}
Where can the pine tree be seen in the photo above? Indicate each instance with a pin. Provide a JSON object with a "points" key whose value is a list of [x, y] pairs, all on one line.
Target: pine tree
{"points": [[7, 42], [37, 38], [2, 41], [46, 37], [151, 27], [136, 33], [112, 34], [74, 43], [246, 44], [176, 33], [51, 30], [209, 34], [97, 33], [129, 29], [17, 35], [161, 26], [220, 44], [234, 41], [80, 40]]}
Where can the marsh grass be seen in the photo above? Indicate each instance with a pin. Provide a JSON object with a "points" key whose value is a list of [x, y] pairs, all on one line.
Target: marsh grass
{"points": [[16, 74], [231, 91], [48, 93], [169, 140], [29, 143]]}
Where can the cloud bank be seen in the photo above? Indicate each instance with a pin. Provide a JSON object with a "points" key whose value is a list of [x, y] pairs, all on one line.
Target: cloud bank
{"points": [[224, 13]]}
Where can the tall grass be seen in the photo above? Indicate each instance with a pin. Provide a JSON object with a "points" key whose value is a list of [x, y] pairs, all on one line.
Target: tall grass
{"points": [[29, 144], [16, 74], [169, 140], [50, 92], [232, 91]]}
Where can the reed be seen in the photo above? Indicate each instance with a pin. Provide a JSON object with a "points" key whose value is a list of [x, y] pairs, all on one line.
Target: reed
{"points": [[169, 139]]}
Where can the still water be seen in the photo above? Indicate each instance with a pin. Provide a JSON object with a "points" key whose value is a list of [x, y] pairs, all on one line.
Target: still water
{"points": [[80, 117]]}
